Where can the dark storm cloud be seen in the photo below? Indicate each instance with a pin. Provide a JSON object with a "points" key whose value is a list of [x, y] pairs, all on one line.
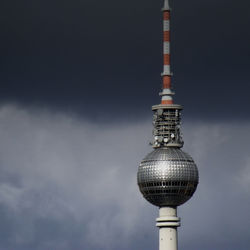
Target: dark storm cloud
{"points": [[80, 55], [70, 184]]}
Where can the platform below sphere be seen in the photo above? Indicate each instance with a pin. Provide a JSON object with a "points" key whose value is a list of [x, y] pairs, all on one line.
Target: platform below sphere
{"points": [[167, 177]]}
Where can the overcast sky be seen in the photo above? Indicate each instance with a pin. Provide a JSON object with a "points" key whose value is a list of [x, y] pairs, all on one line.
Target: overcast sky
{"points": [[77, 82]]}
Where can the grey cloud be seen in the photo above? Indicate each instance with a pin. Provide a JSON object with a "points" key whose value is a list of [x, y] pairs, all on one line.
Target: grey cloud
{"points": [[217, 217], [66, 183]]}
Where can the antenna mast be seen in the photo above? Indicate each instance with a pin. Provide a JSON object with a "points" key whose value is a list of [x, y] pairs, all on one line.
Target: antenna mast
{"points": [[166, 74]]}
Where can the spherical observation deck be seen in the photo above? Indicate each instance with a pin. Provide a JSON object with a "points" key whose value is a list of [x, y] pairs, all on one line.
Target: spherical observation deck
{"points": [[167, 177]]}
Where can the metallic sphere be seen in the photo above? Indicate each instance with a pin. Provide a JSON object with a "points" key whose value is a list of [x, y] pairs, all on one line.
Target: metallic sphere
{"points": [[167, 177]]}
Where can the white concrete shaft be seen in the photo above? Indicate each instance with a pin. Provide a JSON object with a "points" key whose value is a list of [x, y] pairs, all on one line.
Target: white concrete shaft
{"points": [[168, 223], [168, 239]]}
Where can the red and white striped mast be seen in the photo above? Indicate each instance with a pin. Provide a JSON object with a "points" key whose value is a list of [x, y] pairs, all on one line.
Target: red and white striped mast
{"points": [[166, 74]]}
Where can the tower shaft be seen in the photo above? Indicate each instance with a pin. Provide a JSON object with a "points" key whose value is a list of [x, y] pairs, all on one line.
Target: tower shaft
{"points": [[168, 223]]}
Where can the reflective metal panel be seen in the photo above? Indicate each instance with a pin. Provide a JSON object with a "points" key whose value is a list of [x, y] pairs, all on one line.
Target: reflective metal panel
{"points": [[167, 177]]}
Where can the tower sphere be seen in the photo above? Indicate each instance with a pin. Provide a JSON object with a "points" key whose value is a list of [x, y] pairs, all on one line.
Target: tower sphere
{"points": [[167, 177]]}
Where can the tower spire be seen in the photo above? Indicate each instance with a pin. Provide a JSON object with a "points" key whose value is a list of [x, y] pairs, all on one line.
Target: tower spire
{"points": [[166, 94], [167, 115]]}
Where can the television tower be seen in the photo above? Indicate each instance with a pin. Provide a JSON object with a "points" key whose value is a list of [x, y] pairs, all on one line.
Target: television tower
{"points": [[167, 177]]}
